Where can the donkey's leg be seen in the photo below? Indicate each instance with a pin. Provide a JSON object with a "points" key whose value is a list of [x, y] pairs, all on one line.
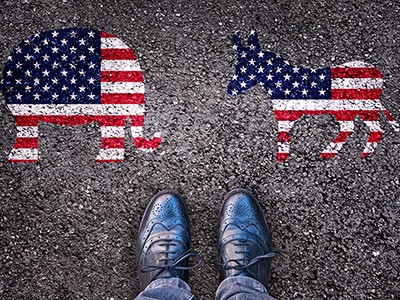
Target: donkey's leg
{"points": [[137, 135], [346, 129], [26, 145], [375, 136], [112, 143], [284, 127]]}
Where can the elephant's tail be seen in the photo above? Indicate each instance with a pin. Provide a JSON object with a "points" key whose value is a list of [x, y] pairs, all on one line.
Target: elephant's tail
{"points": [[391, 120]]}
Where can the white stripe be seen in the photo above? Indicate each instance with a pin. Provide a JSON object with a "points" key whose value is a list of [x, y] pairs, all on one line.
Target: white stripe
{"points": [[346, 126], [302, 104], [122, 87], [395, 125], [373, 125], [105, 154], [333, 147], [137, 131], [112, 43], [283, 147], [285, 125], [27, 131], [76, 109], [23, 153], [357, 83], [370, 147], [356, 64], [112, 131], [120, 65]]}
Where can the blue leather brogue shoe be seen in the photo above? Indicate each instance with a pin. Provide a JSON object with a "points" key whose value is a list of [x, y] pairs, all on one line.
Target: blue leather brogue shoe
{"points": [[163, 245], [244, 242]]}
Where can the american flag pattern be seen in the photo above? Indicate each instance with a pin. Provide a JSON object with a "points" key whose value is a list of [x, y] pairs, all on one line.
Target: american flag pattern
{"points": [[71, 77], [345, 92]]}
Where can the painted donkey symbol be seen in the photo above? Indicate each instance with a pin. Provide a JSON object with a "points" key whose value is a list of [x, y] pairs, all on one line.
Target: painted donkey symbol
{"points": [[345, 92], [71, 77]]}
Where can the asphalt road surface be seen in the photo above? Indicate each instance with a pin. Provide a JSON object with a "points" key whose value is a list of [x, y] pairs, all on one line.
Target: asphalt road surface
{"points": [[68, 225]]}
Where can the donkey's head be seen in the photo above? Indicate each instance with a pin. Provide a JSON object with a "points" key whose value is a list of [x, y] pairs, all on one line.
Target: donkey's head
{"points": [[251, 64]]}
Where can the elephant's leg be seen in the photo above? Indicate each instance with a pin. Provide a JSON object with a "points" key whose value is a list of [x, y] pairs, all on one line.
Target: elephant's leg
{"points": [[284, 139], [346, 129], [140, 142], [26, 145], [112, 144], [375, 136]]}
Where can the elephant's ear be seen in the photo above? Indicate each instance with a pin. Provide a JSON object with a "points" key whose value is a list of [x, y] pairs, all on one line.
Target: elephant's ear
{"points": [[253, 40]]}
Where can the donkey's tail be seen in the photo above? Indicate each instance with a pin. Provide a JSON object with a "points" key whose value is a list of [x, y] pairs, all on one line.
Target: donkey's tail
{"points": [[391, 120]]}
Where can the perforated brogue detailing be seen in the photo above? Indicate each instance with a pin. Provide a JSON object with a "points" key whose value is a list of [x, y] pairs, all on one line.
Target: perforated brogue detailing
{"points": [[169, 209], [241, 207]]}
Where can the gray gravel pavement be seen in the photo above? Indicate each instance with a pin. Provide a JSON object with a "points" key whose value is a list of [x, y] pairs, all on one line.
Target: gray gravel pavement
{"points": [[68, 225]]}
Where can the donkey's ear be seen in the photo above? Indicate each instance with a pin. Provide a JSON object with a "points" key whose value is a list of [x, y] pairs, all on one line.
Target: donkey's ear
{"points": [[237, 44], [253, 40]]}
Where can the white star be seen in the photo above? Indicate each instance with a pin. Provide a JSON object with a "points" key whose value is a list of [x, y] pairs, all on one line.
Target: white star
{"points": [[36, 35], [234, 92], [304, 77], [91, 66], [18, 65], [55, 49], [36, 49], [36, 96], [36, 81], [81, 42], [243, 70], [18, 81], [91, 96], [82, 88], [46, 88], [235, 77], [278, 84], [54, 80], [287, 92], [55, 33], [54, 96], [82, 73], [260, 70], [72, 66], [18, 96], [296, 70], [286, 62], [251, 61], [91, 81], [46, 57], [252, 32], [251, 77], [28, 73], [269, 62], [304, 92], [73, 80], [73, 33], [36, 65], [28, 42], [64, 73], [64, 88], [46, 73], [234, 47], [260, 54], [313, 70], [91, 33], [287, 77], [243, 84], [322, 77], [64, 57], [278, 69], [296, 84], [243, 55], [252, 47], [28, 57], [72, 49], [18, 50], [63, 42], [82, 57], [269, 92], [9, 58], [313, 84], [270, 77], [55, 65], [27, 88], [91, 49], [45, 41], [322, 92], [9, 73], [73, 96]]}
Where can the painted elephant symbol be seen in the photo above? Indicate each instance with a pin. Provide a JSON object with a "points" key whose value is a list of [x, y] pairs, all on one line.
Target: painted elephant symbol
{"points": [[347, 91], [71, 77]]}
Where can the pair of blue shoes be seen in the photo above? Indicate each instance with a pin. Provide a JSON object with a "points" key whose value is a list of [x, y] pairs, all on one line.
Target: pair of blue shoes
{"points": [[163, 245]]}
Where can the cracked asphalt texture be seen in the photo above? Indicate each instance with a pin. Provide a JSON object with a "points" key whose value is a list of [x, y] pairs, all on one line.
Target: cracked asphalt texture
{"points": [[68, 225]]}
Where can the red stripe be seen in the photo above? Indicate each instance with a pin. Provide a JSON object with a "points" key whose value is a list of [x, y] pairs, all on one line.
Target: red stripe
{"points": [[106, 35], [281, 157], [388, 115], [283, 137], [26, 143], [78, 120], [115, 54], [355, 73], [365, 154], [343, 115], [108, 160], [146, 144], [121, 76], [327, 155], [342, 136], [375, 136], [364, 94], [107, 143], [23, 160], [122, 98]]}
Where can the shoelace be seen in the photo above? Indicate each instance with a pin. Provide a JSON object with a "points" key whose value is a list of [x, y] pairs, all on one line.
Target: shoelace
{"points": [[242, 266], [172, 264]]}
